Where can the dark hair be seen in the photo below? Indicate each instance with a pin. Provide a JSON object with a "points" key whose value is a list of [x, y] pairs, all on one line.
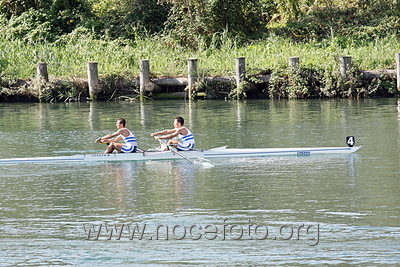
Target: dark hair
{"points": [[180, 120], [122, 121]]}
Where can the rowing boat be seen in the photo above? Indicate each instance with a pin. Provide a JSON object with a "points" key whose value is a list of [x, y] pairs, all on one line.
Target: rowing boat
{"points": [[219, 152]]}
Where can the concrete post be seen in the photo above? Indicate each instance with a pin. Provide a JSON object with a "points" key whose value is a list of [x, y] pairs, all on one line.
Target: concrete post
{"points": [[93, 79], [192, 75], [41, 71], [294, 63], [345, 66], [398, 71], [240, 69], [144, 66]]}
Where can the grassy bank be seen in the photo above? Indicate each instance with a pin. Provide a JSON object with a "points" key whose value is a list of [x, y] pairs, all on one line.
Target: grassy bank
{"points": [[66, 59]]}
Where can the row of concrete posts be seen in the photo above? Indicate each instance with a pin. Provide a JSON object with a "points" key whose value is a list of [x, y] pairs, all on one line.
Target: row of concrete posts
{"points": [[146, 85]]}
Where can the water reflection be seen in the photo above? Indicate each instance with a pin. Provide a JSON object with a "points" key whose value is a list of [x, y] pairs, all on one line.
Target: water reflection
{"points": [[142, 113], [93, 116], [119, 183], [174, 181], [190, 113], [151, 186], [239, 111]]}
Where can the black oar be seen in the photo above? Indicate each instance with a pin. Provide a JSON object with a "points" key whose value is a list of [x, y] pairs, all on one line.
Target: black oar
{"points": [[175, 151]]}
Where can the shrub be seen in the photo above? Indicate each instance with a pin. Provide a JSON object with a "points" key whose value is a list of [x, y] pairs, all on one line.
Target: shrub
{"points": [[31, 26]]}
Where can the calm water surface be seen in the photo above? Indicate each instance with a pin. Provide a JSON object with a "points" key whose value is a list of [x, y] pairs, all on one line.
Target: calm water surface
{"points": [[280, 211]]}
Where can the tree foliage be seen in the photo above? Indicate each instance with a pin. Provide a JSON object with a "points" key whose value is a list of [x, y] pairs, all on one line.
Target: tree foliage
{"points": [[38, 20], [193, 21], [197, 22], [116, 18]]}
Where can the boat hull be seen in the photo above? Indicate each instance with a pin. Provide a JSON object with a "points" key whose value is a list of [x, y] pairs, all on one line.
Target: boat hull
{"points": [[43, 159], [261, 152], [221, 152], [153, 155]]}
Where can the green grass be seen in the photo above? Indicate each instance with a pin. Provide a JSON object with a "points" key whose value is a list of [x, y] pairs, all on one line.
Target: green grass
{"points": [[69, 59]]}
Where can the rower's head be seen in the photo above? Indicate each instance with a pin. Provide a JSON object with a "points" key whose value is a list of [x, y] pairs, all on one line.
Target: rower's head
{"points": [[121, 122], [179, 121]]}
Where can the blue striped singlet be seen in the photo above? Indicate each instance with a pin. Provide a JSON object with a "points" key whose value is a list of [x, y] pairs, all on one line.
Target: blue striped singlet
{"points": [[130, 145], [187, 141]]}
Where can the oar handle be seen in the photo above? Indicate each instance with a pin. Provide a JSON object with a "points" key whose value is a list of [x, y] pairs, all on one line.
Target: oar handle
{"points": [[100, 142]]}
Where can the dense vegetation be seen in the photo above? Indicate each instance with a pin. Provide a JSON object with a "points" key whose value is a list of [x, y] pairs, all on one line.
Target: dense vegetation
{"points": [[68, 33]]}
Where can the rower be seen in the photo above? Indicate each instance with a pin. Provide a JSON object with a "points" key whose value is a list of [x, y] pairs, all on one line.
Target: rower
{"points": [[186, 138], [130, 145]]}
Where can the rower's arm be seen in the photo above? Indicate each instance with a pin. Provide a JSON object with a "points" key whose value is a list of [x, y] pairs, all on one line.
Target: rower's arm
{"points": [[171, 134], [108, 136], [119, 138], [163, 132]]}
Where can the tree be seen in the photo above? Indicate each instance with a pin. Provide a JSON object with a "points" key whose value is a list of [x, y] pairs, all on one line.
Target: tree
{"points": [[193, 20], [125, 18], [34, 20], [17, 7]]}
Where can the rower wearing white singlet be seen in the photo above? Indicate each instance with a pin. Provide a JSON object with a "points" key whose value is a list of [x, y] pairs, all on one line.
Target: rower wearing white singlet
{"points": [[123, 133], [130, 145], [186, 137], [187, 141]]}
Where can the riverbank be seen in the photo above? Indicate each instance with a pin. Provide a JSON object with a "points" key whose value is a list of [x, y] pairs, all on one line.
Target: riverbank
{"points": [[293, 83], [284, 85], [318, 77]]}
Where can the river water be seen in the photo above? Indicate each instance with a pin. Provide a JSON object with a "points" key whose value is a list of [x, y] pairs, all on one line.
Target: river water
{"points": [[280, 211]]}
